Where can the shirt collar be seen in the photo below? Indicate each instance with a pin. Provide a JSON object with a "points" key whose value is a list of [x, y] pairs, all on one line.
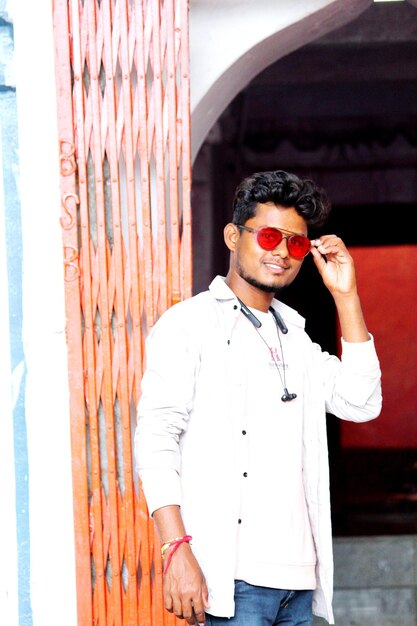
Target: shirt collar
{"points": [[221, 291]]}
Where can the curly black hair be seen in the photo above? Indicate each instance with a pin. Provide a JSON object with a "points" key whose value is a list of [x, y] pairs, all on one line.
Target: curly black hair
{"points": [[285, 190]]}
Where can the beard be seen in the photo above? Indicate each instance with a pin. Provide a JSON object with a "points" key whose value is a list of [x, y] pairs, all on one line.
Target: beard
{"points": [[256, 283]]}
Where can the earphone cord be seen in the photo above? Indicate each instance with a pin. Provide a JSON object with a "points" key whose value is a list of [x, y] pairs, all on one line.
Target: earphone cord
{"points": [[279, 325], [283, 382]]}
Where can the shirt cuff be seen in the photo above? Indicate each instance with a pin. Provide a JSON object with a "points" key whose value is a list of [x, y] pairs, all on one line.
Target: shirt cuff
{"points": [[361, 353], [162, 487]]}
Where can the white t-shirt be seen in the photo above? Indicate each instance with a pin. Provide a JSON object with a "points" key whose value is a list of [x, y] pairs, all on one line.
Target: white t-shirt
{"points": [[273, 436]]}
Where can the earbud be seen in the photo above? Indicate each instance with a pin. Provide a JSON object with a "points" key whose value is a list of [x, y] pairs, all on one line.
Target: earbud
{"points": [[287, 397], [251, 317], [279, 321]]}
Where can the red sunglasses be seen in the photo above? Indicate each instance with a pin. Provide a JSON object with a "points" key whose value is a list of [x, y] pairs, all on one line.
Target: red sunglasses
{"points": [[269, 238]]}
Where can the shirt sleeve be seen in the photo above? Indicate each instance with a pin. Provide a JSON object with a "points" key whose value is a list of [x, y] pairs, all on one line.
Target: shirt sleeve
{"points": [[167, 391], [353, 384]]}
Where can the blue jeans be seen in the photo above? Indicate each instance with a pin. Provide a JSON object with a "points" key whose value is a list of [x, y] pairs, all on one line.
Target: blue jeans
{"points": [[262, 606]]}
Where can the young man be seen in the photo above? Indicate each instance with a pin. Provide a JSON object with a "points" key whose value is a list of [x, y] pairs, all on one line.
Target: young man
{"points": [[231, 440]]}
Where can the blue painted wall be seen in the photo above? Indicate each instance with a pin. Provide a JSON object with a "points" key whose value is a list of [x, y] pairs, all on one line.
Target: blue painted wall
{"points": [[13, 233]]}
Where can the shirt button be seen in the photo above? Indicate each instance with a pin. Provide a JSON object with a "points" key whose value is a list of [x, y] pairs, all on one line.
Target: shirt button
{"points": [[245, 474], [239, 521], [235, 307], [243, 432]]}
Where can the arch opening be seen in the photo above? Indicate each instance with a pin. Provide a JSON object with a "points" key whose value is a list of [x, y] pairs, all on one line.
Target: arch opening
{"points": [[341, 110]]}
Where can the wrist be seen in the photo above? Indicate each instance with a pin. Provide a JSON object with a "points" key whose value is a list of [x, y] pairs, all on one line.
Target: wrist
{"points": [[175, 541], [180, 548], [171, 546]]}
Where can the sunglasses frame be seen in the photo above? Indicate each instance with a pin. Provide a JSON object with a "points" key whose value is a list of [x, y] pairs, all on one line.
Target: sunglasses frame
{"points": [[287, 238]]}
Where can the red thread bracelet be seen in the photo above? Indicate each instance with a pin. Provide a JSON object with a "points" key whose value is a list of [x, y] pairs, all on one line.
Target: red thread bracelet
{"points": [[175, 544]]}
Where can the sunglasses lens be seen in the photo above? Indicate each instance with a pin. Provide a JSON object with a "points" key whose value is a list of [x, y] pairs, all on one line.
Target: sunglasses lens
{"points": [[298, 246], [269, 238]]}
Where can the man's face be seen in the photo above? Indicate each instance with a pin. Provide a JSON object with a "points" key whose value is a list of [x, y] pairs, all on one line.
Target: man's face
{"points": [[268, 270]]}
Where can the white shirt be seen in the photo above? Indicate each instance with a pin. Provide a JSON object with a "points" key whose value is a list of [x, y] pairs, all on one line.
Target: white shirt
{"points": [[271, 446], [188, 437]]}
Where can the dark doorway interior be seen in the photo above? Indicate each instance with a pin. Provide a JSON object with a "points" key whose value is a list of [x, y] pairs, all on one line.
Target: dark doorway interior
{"points": [[343, 111]]}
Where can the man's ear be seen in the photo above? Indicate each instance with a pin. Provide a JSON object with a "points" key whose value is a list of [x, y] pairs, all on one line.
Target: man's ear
{"points": [[231, 236]]}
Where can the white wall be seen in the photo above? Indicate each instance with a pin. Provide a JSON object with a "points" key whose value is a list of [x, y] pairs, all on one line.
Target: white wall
{"points": [[232, 41], [8, 538], [52, 569]]}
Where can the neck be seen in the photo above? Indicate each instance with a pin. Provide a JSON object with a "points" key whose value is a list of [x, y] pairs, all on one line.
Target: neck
{"points": [[251, 296], [251, 317]]}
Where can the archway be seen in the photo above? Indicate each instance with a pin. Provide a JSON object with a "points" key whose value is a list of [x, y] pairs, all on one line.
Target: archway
{"points": [[341, 110], [231, 43]]}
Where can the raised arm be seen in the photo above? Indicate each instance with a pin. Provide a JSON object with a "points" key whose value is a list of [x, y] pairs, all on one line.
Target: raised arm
{"points": [[337, 270]]}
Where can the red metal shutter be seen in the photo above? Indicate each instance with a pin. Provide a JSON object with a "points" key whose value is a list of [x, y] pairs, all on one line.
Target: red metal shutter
{"points": [[122, 73]]}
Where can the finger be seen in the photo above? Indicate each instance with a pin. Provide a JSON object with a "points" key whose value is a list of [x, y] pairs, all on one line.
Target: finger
{"points": [[168, 602], [319, 259], [199, 615], [177, 608], [199, 605], [188, 614], [327, 244], [205, 595]]}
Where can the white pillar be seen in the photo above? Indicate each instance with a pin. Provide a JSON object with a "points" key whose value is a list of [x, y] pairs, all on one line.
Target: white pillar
{"points": [[52, 563], [8, 539]]}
